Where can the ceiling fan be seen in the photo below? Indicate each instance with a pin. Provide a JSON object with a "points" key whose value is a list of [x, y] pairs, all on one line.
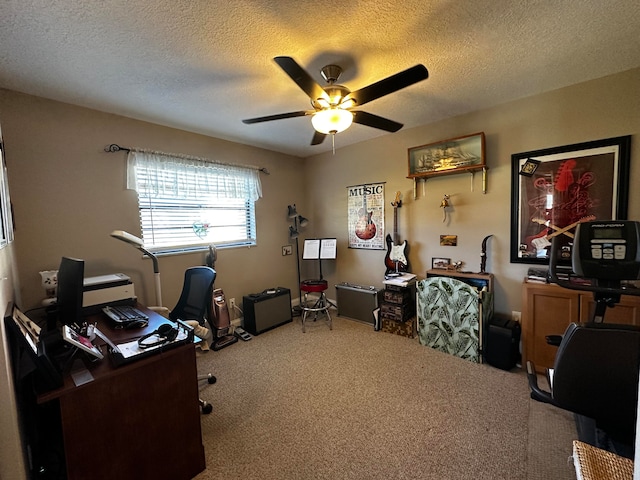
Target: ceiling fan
{"points": [[333, 105]]}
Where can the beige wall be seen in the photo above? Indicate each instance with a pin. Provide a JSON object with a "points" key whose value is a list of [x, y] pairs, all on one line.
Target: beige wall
{"points": [[599, 109]]}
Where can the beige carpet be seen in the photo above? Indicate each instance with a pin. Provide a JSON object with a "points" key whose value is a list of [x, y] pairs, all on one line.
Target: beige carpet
{"points": [[352, 403]]}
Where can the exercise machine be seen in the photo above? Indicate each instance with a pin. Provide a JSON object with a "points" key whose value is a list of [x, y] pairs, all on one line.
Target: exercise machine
{"points": [[595, 372]]}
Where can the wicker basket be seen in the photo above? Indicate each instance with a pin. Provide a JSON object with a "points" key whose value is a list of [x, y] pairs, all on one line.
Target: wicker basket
{"points": [[596, 464]]}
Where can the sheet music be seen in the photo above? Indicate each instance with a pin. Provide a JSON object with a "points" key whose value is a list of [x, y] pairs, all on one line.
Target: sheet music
{"points": [[323, 248], [311, 249], [328, 247]]}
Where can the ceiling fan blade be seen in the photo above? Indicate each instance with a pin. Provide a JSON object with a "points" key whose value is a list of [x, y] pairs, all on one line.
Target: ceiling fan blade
{"points": [[371, 120], [390, 84], [279, 116], [318, 138], [301, 77]]}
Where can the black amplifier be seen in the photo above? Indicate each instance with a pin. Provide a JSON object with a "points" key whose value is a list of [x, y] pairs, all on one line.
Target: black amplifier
{"points": [[266, 310]]}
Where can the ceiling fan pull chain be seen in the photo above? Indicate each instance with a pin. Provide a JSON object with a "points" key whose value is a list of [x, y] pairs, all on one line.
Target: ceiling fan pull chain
{"points": [[333, 142]]}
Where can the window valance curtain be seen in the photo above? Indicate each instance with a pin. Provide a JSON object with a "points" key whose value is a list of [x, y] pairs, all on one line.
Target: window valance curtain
{"points": [[153, 173]]}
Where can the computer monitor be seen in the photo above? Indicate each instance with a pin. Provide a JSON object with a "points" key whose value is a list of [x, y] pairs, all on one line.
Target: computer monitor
{"points": [[70, 290]]}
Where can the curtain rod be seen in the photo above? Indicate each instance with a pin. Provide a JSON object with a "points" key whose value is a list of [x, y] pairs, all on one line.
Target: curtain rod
{"points": [[114, 147]]}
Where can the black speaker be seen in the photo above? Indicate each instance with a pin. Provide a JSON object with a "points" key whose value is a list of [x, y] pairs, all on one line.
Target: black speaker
{"points": [[266, 310], [503, 343]]}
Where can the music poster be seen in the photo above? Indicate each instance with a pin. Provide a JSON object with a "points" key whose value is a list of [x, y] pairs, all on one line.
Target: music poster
{"points": [[365, 204]]}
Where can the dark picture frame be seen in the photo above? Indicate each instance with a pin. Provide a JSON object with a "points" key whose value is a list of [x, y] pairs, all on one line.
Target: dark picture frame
{"points": [[569, 184], [449, 156], [440, 263]]}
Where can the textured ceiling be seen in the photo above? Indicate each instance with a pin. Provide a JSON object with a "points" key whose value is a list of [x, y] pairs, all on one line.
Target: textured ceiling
{"points": [[204, 65]]}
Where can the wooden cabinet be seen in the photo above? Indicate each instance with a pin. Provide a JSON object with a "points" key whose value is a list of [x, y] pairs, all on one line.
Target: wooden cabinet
{"points": [[627, 311], [548, 309]]}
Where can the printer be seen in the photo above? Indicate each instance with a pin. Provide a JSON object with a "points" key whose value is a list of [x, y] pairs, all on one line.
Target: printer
{"points": [[112, 289]]}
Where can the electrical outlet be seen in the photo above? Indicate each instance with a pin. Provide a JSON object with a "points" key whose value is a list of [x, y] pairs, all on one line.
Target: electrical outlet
{"points": [[287, 250], [515, 316], [232, 305]]}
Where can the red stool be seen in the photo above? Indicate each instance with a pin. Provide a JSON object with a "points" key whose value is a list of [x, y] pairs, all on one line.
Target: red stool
{"points": [[315, 305]]}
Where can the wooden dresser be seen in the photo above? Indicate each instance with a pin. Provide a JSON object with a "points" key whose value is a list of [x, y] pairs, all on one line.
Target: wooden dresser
{"points": [[548, 309]]}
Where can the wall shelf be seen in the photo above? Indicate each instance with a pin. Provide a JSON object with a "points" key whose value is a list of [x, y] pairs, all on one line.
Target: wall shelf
{"points": [[470, 169]]}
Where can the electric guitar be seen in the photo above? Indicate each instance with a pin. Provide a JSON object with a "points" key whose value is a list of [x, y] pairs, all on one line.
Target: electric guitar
{"points": [[541, 240], [396, 258], [365, 228]]}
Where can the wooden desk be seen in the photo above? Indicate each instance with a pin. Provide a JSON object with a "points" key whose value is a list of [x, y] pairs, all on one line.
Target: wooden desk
{"points": [[140, 420]]}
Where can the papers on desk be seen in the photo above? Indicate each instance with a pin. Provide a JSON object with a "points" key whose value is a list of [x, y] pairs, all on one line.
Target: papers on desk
{"points": [[130, 351], [79, 373], [402, 280]]}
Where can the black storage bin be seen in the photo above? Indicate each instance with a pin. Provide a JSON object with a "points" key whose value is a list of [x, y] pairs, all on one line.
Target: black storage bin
{"points": [[503, 343]]}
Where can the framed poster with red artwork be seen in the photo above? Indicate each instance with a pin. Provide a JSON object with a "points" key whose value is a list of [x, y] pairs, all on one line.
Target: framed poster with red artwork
{"points": [[554, 189], [365, 214]]}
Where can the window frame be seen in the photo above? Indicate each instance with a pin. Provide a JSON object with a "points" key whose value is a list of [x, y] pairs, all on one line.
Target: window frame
{"points": [[170, 186]]}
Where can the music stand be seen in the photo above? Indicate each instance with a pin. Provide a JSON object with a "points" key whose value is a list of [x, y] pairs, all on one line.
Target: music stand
{"points": [[319, 249]]}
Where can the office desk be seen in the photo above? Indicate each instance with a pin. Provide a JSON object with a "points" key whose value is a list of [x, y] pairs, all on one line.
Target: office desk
{"points": [[140, 420]]}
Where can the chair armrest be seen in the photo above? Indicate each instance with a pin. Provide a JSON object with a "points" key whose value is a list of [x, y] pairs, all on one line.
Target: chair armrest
{"points": [[536, 392], [554, 340]]}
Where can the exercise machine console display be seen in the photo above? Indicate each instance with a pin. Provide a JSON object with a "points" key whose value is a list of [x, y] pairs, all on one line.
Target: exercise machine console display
{"points": [[606, 253], [607, 250]]}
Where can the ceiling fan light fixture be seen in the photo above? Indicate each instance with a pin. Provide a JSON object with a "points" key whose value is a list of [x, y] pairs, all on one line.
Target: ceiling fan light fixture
{"points": [[332, 120], [347, 102]]}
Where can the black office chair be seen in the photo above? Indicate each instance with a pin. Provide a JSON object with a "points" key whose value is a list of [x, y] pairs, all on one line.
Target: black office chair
{"points": [[193, 305], [595, 375]]}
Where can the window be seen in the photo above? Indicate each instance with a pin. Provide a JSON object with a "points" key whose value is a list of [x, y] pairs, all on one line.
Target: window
{"points": [[187, 203]]}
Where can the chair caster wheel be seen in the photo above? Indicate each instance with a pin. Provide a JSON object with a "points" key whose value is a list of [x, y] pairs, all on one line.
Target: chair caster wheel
{"points": [[211, 379], [207, 408]]}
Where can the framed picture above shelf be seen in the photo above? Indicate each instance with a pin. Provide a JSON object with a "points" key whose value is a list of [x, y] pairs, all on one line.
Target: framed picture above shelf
{"points": [[448, 157]]}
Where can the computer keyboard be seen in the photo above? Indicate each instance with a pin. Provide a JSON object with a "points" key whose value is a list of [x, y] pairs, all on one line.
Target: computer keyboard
{"points": [[124, 314]]}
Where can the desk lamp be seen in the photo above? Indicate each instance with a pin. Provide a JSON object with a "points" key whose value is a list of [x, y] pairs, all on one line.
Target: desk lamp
{"points": [[294, 232], [139, 244]]}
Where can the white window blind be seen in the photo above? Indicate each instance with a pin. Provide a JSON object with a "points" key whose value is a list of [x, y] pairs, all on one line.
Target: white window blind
{"points": [[187, 203]]}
